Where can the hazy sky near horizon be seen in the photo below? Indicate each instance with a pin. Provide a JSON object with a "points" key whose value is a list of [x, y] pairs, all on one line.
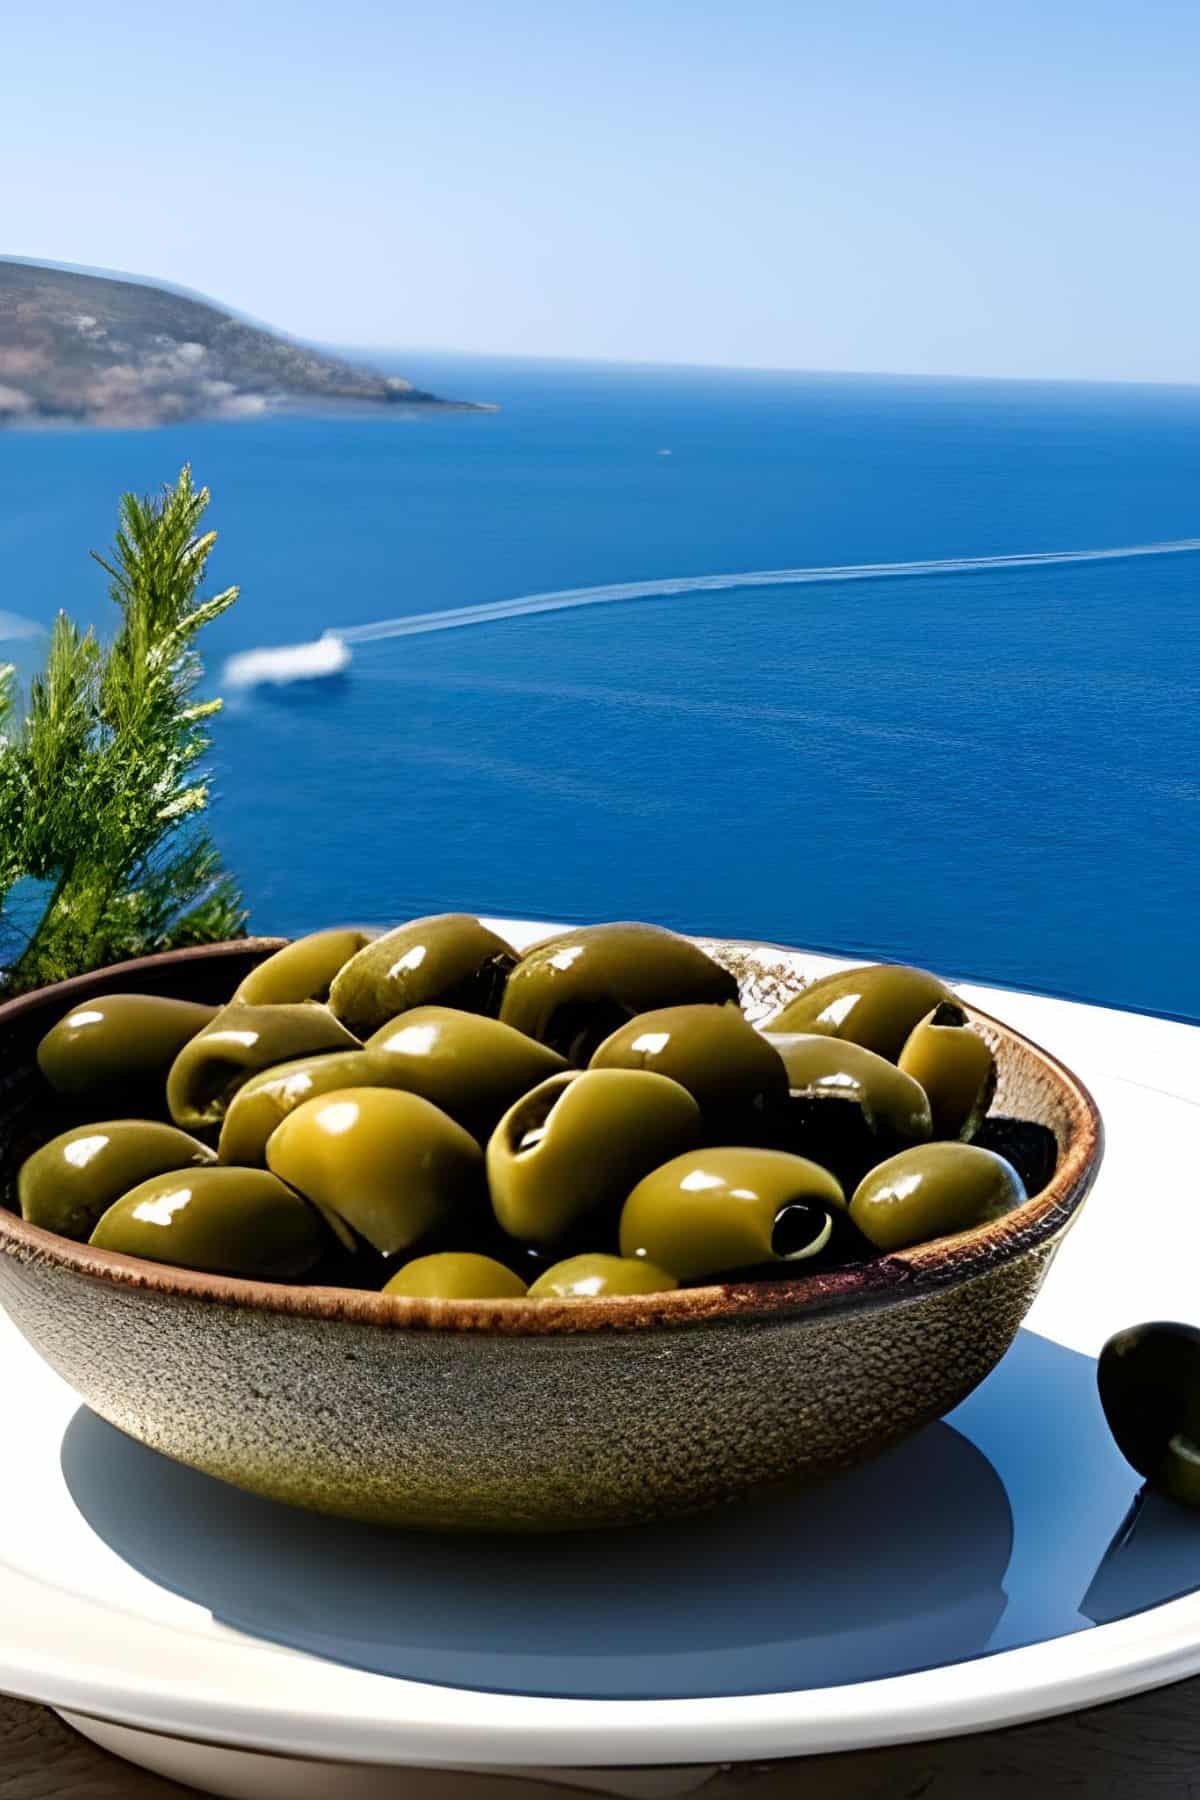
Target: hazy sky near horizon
{"points": [[928, 187]]}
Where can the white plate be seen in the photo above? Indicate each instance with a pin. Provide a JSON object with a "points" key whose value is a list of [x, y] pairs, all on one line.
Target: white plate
{"points": [[81, 1629]]}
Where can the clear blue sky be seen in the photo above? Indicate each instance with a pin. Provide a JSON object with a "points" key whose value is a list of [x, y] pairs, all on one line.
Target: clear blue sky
{"points": [[997, 189]]}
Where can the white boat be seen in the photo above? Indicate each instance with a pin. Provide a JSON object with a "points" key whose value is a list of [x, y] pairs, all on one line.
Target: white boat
{"points": [[284, 663]]}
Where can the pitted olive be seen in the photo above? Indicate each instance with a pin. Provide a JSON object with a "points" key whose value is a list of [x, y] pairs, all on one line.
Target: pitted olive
{"points": [[448, 959], [118, 1040], [241, 1040], [1149, 1381], [876, 1006], [955, 1067], [575, 990], [894, 1105], [574, 1147], [593, 1276], [733, 1073], [302, 970], [223, 1221], [473, 1067], [932, 1191], [267, 1098], [713, 1212], [456, 1275], [390, 1164], [69, 1183]]}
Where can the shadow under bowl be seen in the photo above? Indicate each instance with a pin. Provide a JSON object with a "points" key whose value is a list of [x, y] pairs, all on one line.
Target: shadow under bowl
{"points": [[519, 1415]]}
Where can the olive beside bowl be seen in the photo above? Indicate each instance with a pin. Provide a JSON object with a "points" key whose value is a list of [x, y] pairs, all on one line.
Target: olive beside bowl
{"points": [[517, 1414]]}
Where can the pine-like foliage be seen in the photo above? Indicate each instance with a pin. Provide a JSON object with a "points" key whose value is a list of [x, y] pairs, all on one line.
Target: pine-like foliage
{"points": [[99, 782]]}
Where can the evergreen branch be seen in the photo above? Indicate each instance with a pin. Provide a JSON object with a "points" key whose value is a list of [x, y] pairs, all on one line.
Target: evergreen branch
{"points": [[97, 798]]}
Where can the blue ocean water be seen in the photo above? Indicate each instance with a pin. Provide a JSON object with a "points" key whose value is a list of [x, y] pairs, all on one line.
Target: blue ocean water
{"points": [[997, 774]]}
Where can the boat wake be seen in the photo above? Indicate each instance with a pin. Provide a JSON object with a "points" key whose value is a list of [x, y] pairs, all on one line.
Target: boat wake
{"points": [[301, 661]]}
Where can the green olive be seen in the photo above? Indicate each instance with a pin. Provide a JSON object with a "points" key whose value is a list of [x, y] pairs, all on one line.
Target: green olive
{"points": [[733, 1073], [592, 1276], [456, 1275], [716, 1211], [473, 1067], [1149, 1381], [955, 1067], [932, 1191], [876, 1006], [893, 1104], [268, 1097], [449, 959], [302, 970], [118, 1040], [575, 990], [576, 1145], [388, 1163], [223, 1221], [241, 1040], [70, 1182]]}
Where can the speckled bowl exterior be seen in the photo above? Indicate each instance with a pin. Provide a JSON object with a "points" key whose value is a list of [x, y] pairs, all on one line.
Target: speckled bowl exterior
{"points": [[519, 1415]]}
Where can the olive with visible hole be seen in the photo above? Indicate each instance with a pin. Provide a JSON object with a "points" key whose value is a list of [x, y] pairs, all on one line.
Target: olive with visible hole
{"points": [[573, 1148], [714, 1212], [239, 1042], [955, 1067]]}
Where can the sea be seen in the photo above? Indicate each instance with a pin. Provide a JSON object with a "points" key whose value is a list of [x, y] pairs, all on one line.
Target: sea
{"points": [[991, 770]]}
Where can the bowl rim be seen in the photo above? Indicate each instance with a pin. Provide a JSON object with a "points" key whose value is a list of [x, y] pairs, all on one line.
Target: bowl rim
{"points": [[902, 1275]]}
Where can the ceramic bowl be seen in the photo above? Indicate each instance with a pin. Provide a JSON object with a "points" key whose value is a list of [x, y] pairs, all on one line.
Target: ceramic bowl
{"points": [[521, 1415]]}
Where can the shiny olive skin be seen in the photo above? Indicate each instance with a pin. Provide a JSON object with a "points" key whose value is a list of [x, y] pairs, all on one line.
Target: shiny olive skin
{"points": [[448, 959], [713, 1212], [575, 1146], [456, 1275], [932, 1191], [731, 1071], [473, 1067], [955, 1067], [593, 1276], [239, 1042], [222, 1221], [268, 1097], [575, 990], [1149, 1381], [876, 1006], [388, 1163], [894, 1105], [70, 1183], [302, 970], [118, 1040]]}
